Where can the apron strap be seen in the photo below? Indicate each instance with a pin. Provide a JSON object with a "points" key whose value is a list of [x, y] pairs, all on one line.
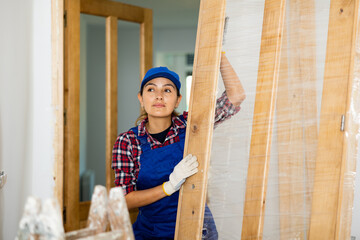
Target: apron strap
{"points": [[144, 144]]}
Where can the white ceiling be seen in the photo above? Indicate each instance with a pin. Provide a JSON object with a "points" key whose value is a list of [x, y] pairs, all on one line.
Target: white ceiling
{"points": [[166, 13]]}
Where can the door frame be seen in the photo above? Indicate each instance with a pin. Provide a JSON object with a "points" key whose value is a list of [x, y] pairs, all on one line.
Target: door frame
{"points": [[66, 91]]}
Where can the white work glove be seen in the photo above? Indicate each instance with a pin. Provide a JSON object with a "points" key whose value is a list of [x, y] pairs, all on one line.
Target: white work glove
{"points": [[184, 169]]}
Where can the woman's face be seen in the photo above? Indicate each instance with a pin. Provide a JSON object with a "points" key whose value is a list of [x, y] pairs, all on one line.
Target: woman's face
{"points": [[159, 98]]}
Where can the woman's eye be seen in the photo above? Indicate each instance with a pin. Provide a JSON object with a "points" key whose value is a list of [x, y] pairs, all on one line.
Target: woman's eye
{"points": [[150, 90], [168, 90]]}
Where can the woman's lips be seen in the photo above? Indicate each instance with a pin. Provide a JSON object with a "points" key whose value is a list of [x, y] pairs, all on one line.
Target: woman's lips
{"points": [[159, 105]]}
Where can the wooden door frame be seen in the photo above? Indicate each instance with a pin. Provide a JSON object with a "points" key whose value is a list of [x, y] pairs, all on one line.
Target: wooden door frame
{"points": [[57, 77], [332, 160], [66, 87]]}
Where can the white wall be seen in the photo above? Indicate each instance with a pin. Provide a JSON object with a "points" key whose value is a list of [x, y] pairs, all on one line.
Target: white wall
{"points": [[26, 116]]}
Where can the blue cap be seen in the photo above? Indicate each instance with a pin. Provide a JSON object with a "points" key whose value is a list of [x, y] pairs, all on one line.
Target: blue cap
{"points": [[161, 72]]}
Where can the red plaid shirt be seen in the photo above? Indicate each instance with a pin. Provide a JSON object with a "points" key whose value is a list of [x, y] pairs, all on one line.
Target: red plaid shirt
{"points": [[127, 150]]}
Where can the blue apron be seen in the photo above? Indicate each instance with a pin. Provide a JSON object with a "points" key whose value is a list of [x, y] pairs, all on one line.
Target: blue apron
{"points": [[157, 220]]}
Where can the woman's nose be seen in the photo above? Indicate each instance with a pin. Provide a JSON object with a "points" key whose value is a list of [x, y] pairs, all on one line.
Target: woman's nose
{"points": [[159, 96]]}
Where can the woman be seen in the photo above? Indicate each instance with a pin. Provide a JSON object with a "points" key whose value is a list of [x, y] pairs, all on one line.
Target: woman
{"points": [[147, 159]]}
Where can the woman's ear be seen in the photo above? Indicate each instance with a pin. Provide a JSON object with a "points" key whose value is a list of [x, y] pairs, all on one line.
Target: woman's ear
{"points": [[178, 101], [140, 100]]}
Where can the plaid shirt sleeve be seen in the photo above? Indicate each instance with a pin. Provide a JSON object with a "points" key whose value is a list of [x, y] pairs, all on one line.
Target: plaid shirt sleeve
{"points": [[224, 109], [125, 161]]}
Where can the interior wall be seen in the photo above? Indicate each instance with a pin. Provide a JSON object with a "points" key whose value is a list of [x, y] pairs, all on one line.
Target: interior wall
{"points": [[129, 76], [83, 95], [95, 102], [26, 114]]}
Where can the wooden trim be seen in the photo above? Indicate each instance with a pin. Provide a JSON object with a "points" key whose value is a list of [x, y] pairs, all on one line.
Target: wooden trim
{"points": [[331, 153], [72, 105], [84, 208], [57, 46], [255, 197], [190, 215], [111, 95], [119, 10], [133, 214], [351, 145], [146, 43]]}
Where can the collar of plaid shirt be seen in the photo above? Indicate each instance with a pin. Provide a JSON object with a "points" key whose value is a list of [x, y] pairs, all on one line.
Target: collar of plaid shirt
{"points": [[177, 124]]}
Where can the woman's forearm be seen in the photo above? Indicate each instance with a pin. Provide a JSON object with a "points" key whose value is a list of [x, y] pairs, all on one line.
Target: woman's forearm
{"points": [[234, 89], [142, 198]]}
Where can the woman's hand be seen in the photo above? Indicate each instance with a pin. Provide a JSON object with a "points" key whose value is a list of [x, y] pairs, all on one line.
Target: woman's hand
{"points": [[184, 169]]}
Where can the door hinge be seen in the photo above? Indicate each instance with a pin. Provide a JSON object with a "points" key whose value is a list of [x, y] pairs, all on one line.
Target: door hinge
{"points": [[65, 18], [342, 127], [64, 215], [65, 117]]}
